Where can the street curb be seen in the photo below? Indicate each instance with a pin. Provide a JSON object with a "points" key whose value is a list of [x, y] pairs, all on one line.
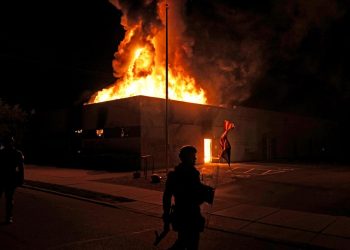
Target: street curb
{"points": [[95, 201], [70, 196]]}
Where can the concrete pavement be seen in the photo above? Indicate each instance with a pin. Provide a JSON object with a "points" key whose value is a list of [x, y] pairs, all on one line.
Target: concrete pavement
{"points": [[293, 227]]}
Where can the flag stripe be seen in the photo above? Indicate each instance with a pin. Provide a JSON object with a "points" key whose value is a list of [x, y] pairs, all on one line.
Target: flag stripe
{"points": [[224, 142]]}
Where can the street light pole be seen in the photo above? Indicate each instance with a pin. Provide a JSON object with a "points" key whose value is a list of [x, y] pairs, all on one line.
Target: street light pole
{"points": [[166, 89]]}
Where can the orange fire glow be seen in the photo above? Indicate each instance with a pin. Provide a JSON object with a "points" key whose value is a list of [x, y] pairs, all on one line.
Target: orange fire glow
{"points": [[139, 66]]}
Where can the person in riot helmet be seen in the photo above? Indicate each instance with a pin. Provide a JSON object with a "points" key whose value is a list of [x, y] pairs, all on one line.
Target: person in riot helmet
{"points": [[189, 193], [11, 173]]}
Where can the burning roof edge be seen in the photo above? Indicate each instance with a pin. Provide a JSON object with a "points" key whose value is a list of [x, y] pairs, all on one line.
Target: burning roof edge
{"points": [[220, 106]]}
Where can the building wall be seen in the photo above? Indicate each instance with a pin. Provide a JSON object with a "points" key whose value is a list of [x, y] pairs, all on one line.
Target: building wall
{"points": [[137, 126], [120, 141]]}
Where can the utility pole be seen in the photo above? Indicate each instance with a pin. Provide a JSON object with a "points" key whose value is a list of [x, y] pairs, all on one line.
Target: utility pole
{"points": [[166, 90]]}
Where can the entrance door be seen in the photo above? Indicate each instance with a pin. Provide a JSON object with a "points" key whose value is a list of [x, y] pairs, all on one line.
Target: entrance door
{"points": [[207, 150]]}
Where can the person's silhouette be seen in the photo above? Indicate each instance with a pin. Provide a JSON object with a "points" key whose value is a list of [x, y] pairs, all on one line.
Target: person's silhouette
{"points": [[11, 173], [189, 193]]}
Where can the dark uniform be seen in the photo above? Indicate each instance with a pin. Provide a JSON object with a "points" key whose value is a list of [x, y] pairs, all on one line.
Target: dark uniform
{"points": [[189, 193], [11, 174]]}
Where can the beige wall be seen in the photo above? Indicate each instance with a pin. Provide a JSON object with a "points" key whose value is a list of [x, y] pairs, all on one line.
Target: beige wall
{"points": [[259, 134]]}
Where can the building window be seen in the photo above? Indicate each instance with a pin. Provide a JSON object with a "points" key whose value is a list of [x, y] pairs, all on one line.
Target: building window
{"points": [[99, 132]]}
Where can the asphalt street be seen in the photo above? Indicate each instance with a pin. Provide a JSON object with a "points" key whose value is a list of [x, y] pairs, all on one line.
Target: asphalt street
{"points": [[48, 221]]}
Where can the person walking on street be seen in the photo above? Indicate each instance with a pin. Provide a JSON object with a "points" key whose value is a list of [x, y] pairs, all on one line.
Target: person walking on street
{"points": [[184, 184], [11, 173]]}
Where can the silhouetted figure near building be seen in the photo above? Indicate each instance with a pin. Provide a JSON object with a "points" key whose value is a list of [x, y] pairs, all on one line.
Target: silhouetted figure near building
{"points": [[11, 173], [189, 193]]}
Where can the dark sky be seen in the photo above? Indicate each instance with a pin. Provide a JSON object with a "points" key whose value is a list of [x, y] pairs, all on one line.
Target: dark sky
{"points": [[283, 55], [54, 52]]}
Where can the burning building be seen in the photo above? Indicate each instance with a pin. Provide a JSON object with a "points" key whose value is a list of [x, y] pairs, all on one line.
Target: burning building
{"points": [[131, 121], [127, 131]]}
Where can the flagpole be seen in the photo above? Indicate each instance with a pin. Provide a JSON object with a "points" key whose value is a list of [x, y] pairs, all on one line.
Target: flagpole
{"points": [[166, 89]]}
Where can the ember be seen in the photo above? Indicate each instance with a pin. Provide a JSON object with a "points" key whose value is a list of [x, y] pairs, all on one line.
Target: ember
{"points": [[139, 63]]}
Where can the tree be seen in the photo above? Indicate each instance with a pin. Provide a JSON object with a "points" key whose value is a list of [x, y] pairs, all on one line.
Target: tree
{"points": [[12, 120]]}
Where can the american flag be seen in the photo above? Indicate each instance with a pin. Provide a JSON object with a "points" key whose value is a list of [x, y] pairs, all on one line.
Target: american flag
{"points": [[224, 143]]}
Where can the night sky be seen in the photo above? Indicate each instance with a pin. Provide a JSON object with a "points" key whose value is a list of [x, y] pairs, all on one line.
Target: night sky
{"points": [[281, 55], [53, 54]]}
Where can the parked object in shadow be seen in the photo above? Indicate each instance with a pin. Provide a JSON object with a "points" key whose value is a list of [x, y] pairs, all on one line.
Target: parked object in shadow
{"points": [[155, 178]]}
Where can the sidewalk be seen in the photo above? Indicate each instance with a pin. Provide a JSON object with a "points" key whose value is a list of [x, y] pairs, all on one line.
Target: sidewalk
{"points": [[293, 227]]}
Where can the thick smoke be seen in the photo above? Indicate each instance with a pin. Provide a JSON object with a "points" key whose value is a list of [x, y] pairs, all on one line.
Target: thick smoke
{"points": [[230, 47], [139, 10], [225, 58], [234, 44]]}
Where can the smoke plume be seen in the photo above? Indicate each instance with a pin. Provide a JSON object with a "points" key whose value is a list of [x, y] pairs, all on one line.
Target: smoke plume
{"points": [[228, 46]]}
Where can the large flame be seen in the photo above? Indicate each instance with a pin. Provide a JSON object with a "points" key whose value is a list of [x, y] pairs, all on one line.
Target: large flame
{"points": [[140, 66]]}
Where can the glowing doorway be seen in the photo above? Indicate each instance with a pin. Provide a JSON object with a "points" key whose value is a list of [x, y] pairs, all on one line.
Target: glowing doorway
{"points": [[207, 150]]}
